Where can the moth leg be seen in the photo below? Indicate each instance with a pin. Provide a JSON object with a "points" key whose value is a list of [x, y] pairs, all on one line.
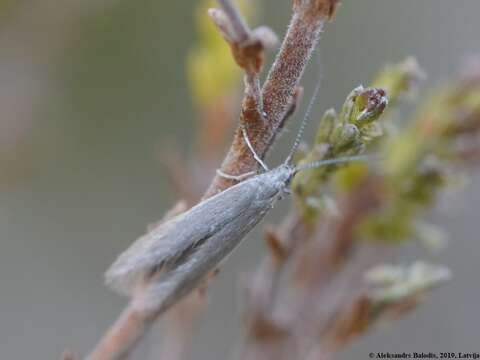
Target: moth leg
{"points": [[235, 177], [249, 144]]}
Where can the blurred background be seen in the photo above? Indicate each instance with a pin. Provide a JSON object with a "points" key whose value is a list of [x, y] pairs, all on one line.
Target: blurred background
{"points": [[89, 92]]}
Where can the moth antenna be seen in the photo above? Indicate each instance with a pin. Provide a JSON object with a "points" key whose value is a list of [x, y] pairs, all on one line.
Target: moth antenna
{"points": [[304, 123], [250, 147], [340, 160]]}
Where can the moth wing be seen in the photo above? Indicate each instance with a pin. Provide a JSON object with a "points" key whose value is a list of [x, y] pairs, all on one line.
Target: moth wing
{"points": [[166, 245], [131, 264]]}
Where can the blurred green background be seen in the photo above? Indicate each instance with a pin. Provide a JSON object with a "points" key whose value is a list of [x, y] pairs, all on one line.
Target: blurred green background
{"points": [[88, 92]]}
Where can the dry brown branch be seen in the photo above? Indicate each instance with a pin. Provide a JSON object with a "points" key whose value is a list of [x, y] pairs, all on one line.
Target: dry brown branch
{"points": [[302, 36], [124, 334], [263, 113]]}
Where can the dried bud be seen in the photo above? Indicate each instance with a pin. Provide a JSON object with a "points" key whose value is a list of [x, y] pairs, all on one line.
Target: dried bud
{"points": [[250, 54], [364, 105], [220, 19], [247, 46], [265, 36], [373, 101]]}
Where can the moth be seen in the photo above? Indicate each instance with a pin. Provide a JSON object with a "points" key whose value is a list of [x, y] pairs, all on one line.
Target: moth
{"points": [[175, 257]]}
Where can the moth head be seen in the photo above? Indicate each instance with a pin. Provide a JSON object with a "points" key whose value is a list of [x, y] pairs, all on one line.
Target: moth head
{"points": [[274, 183]]}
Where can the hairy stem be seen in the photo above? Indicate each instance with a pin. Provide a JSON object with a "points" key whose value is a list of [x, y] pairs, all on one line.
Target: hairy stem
{"points": [[298, 45]]}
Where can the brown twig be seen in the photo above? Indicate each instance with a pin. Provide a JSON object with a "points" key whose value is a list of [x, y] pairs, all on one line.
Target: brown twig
{"points": [[124, 334], [263, 112], [302, 36]]}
